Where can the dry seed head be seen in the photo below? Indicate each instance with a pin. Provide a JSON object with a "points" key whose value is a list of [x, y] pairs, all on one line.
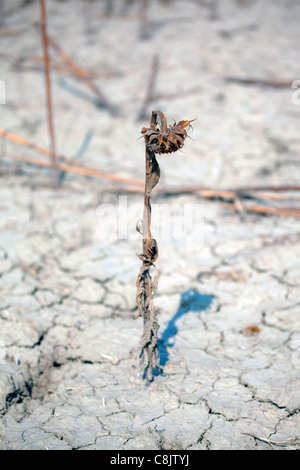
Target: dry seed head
{"points": [[161, 138]]}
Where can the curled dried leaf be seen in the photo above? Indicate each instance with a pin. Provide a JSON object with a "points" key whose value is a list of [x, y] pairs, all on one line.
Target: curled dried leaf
{"points": [[150, 252], [150, 249], [153, 174], [145, 286]]}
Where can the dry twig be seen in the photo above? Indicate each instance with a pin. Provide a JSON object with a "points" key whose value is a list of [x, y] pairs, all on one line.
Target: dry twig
{"points": [[150, 88], [289, 442], [235, 196], [231, 197], [1, 12], [83, 75], [35, 62], [261, 82], [48, 88], [12, 31], [151, 95], [144, 26], [262, 209], [67, 164]]}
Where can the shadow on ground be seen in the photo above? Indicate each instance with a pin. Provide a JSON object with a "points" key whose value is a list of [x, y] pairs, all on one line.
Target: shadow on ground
{"points": [[190, 301]]}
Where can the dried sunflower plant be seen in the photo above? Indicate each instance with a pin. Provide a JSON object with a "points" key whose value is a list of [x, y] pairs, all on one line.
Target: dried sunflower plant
{"points": [[159, 139]]}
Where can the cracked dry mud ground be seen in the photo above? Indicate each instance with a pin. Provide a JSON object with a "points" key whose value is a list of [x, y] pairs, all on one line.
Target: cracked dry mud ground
{"points": [[228, 303]]}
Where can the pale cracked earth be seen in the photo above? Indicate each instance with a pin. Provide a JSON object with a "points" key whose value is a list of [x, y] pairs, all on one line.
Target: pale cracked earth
{"points": [[227, 301]]}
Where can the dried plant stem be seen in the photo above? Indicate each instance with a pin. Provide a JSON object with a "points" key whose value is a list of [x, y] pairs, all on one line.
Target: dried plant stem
{"points": [[83, 75], [48, 88], [150, 93], [287, 443], [144, 27], [1, 12], [261, 209], [14, 31], [264, 192], [211, 193], [74, 165], [70, 165], [146, 287], [160, 139], [204, 191], [261, 82], [147, 203], [34, 62]]}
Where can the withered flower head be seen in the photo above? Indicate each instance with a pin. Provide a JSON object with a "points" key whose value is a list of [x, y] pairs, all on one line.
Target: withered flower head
{"points": [[163, 139]]}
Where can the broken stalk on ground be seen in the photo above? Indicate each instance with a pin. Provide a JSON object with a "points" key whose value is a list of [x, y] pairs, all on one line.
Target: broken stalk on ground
{"points": [[230, 196]]}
